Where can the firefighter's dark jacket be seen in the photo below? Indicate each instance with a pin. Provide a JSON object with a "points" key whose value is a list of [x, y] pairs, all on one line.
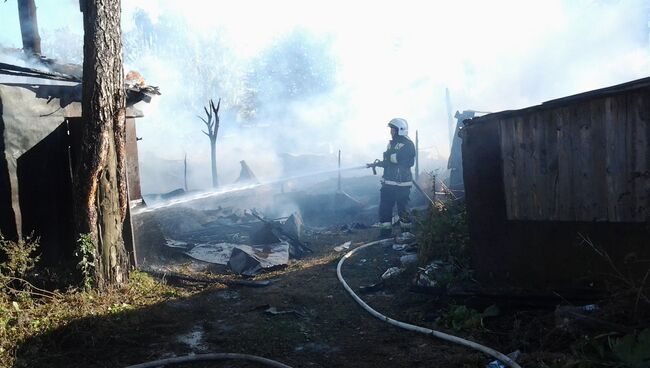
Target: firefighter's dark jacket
{"points": [[398, 160]]}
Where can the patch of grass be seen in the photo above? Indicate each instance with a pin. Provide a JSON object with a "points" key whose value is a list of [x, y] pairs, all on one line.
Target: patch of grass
{"points": [[24, 318], [460, 317], [633, 349]]}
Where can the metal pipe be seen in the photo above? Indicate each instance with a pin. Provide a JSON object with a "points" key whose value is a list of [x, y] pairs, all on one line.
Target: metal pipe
{"points": [[441, 335]]}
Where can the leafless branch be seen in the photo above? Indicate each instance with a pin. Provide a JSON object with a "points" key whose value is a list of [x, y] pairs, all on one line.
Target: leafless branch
{"points": [[206, 123], [31, 289]]}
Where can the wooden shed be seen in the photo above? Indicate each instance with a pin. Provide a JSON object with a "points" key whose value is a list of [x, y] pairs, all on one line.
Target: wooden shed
{"points": [[40, 126], [546, 182]]}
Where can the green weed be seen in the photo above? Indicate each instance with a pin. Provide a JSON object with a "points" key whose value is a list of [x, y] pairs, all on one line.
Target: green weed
{"points": [[85, 253]]}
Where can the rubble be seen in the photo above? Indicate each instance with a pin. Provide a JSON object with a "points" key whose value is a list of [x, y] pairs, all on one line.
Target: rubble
{"points": [[354, 226], [263, 234], [391, 272], [241, 258], [249, 261], [408, 259], [296, 248], [430, 277], [343, 246], [213, 253], [246, 175], [405, 238], [294, 225]]}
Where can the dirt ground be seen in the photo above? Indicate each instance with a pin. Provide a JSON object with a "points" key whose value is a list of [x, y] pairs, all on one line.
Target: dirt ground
{"points": [[317, 324], [304, 317]]}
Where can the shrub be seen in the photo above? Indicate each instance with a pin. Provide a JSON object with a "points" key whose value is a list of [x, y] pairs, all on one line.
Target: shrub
{"points": [[442, 233], [19, 262], [19, 258]]}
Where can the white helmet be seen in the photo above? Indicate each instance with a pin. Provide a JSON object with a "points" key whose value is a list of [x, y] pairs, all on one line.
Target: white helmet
{"points": [[401, 125]]}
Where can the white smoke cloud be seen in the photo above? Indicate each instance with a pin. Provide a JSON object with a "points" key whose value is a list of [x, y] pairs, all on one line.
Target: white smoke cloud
{"points": [[315, 77]]}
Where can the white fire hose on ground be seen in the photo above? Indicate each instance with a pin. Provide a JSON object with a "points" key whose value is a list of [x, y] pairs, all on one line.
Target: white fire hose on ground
{"points": [[271, 363], [451, 338], [209, 357]]}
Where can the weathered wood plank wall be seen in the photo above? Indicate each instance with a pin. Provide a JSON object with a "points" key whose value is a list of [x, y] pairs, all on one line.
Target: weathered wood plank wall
{"points": [[586, 161], [540, 179]]}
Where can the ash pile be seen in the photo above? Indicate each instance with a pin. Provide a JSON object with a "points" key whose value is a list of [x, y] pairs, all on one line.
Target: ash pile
{"points": [[245, 231], [243, 241]]}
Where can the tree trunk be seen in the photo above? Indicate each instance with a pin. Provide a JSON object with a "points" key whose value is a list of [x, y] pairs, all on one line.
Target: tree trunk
{"points": [[100, 177], [213, 158]]}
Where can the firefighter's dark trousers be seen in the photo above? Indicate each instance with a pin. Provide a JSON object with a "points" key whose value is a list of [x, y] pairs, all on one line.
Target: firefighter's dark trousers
{"points": [[389, 196]]}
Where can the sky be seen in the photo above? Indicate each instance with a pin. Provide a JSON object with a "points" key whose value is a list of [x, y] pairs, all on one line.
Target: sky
{"points": [[313, 77]]}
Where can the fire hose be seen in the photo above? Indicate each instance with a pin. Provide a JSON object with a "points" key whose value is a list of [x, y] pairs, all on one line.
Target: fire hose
{"points": [[209, 357], [407, 326]]}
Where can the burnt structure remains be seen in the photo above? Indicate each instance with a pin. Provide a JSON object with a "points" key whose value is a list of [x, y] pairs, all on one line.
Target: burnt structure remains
{"points": [[547, 186], [40, 121]]}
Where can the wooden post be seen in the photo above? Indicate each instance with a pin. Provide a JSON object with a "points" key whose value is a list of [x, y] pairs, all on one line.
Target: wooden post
{"points": [[185, 172], [339, 182], [29, 27], [417, 157]]}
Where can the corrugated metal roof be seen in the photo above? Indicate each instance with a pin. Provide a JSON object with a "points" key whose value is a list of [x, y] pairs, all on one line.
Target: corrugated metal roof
{"points": [[20, 71]]}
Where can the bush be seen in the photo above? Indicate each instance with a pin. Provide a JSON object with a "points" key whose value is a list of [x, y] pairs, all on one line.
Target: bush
{"points": [[443, 234], [19, 259]]}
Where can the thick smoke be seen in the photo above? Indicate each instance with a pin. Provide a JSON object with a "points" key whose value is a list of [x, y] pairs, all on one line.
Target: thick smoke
{"points": [[298, 78]]}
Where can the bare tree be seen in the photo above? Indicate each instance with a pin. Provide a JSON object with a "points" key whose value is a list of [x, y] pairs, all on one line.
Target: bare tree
{"points": [[100, 173], [212, 123]]}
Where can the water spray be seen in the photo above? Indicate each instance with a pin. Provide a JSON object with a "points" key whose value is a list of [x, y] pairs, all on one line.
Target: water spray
{"points": [[238, 188]]}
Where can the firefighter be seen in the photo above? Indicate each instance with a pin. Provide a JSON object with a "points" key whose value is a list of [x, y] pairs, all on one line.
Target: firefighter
{"points": [[397, 178]]}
